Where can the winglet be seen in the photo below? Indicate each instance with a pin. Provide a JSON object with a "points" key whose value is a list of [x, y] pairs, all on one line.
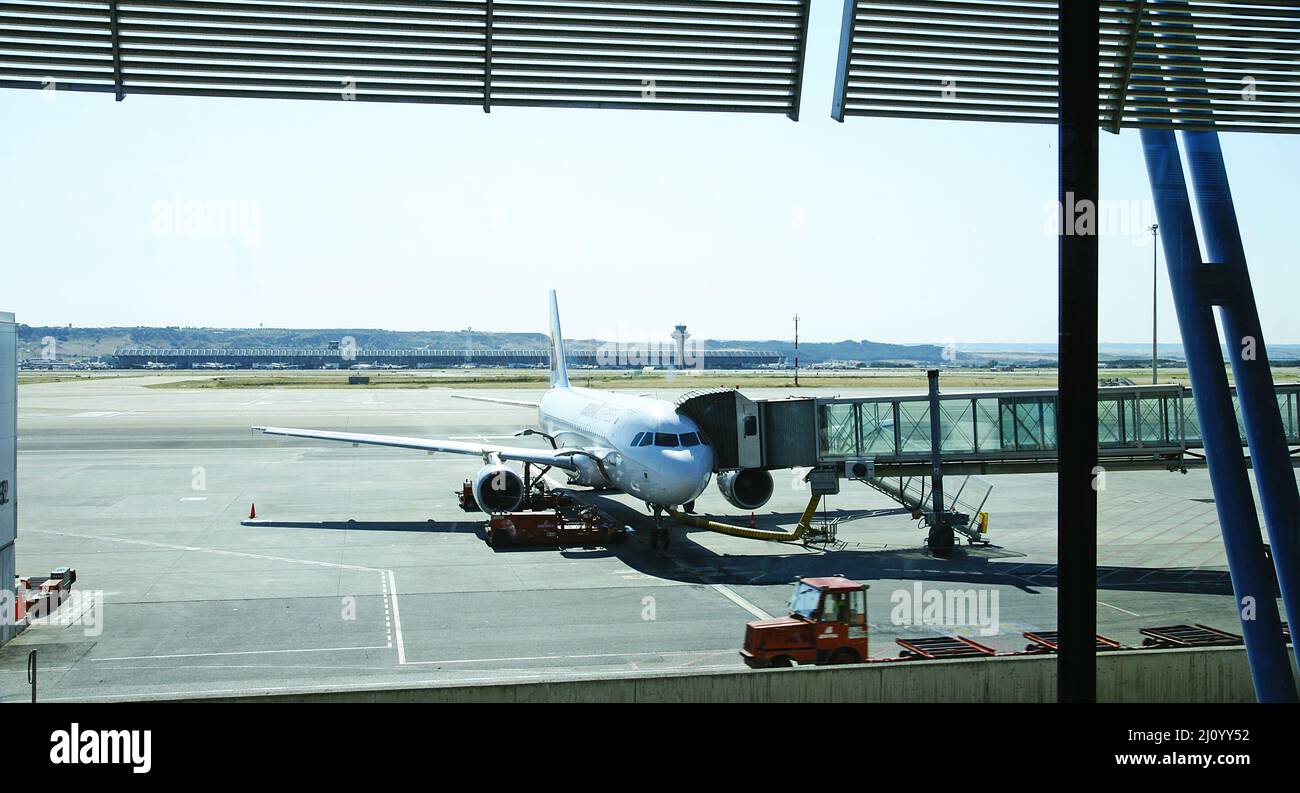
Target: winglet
{"points": [[559, 369]]}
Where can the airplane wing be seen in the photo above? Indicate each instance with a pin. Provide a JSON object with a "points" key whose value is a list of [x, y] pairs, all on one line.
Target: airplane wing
{"points": [[560, 458], [516, 402]]}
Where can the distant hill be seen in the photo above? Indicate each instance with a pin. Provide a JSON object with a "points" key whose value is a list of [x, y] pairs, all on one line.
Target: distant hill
{"points": [[1108, 351], [849, 350], [77, 342]]}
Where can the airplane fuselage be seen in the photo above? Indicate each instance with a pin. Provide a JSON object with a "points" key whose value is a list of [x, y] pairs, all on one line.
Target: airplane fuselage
{"points": [[639, 445]]}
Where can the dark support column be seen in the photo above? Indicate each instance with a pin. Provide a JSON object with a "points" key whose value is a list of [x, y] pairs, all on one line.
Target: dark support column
{"points": [[941, 537], [1076, 419], [936, 441], [115, 40], [487, 58]]}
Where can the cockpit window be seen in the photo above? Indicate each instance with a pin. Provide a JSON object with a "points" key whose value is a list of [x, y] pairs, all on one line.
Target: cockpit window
{"points": [[690, 439], [647, 439], [665, 439], [637, 439]]}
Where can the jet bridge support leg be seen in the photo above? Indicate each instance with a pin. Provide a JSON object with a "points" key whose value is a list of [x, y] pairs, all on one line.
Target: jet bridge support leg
{"points": [[1196, 288], [941, 537]]}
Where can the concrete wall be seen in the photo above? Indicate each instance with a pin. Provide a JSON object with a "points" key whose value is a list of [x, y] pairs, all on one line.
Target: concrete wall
{"points": [[8, 468], [1217, 674]]}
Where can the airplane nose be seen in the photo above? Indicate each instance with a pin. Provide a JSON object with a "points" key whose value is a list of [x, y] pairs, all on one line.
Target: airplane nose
{"points": [[692, 468]]}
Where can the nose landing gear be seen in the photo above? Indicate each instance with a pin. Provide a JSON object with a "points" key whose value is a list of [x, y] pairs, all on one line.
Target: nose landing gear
{"points": [[660, 537]]}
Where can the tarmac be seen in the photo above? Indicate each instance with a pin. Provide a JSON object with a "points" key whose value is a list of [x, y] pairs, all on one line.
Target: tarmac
{"points": [[364, 571]]}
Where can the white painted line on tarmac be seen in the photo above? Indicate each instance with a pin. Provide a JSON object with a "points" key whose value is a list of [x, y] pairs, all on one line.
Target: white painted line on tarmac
{"points": [[397, 618], [1117, 608], [392, 590], [239, 652], [173, 547], [731, 595], [388, 621], [586, 657]]}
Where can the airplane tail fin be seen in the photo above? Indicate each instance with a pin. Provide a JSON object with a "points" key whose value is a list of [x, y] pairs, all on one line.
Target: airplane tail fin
{"points": [[559, 369]]}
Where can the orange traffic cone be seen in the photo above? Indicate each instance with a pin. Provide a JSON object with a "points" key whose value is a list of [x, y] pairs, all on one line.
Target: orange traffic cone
{"points": [[252, 513]]}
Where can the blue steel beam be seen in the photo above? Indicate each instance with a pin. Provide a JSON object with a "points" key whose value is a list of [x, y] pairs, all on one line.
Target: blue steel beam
{"points": [[1269, 454], [1193, 286]]}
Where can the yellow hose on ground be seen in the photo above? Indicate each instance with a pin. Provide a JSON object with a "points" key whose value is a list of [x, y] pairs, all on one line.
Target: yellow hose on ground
{"points": [[753, 534]]}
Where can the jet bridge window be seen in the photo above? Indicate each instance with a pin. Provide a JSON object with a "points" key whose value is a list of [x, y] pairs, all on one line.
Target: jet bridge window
{"points": [[665, 439]]}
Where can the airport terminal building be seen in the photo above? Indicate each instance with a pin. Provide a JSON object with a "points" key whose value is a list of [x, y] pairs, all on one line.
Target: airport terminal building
{"points": [[330, 358]]}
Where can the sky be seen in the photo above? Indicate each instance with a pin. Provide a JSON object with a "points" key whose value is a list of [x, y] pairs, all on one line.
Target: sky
{"points": [[429, 217]]}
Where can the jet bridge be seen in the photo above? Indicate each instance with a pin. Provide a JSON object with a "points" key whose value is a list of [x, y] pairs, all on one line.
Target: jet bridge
{"points": [[980, 432], [887, 441]]}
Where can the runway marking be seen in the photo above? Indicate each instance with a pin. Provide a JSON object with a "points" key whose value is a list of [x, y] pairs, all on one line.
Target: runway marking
{"points": [[239, 652], [96, 414], [194, 498]]}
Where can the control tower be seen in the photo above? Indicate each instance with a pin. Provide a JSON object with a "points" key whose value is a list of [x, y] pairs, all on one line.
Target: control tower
{"points": [[679, 338]]}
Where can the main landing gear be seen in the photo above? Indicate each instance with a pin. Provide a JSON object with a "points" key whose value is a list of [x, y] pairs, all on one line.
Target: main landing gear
{"points": [[660, 536]]}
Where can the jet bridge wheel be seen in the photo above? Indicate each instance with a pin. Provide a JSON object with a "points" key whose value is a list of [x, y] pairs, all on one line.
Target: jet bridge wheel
{"points": [[941, 540]]}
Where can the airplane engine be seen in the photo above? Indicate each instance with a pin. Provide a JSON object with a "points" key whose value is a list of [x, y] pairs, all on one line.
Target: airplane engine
{"points": [[498, 489], [588, 473], [747, 488]]}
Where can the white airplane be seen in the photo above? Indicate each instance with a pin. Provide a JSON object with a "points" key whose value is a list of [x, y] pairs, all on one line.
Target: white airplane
{"points": [[636, 444]]}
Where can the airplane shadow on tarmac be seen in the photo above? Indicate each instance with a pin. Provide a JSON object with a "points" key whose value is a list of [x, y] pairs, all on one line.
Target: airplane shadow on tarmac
{"points": [[988, 565], [689, 562]]}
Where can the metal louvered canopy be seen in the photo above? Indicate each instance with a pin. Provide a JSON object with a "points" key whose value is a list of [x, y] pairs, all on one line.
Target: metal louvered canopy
{"points": [[663, 55], [1216, 64]]}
